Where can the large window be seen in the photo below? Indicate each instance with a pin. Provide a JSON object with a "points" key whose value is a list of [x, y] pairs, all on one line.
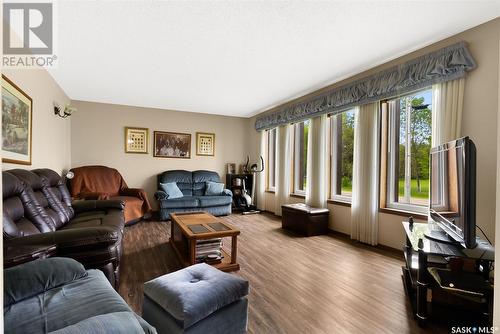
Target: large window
{"points": [[409, 120], [300, 157], [342, 149], [271, 159]]}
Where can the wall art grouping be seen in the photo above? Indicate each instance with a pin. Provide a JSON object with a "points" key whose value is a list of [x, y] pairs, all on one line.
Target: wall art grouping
{"points": [[168, 144]]}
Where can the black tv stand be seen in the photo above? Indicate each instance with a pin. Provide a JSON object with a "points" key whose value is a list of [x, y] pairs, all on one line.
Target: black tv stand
{"points": [[440, 236], [428, 267]]}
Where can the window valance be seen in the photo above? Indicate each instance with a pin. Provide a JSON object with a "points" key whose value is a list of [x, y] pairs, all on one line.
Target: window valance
{"points": [[442, 65]]}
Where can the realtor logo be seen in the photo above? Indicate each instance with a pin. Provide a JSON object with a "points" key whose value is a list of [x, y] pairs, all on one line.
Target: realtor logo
{"points": [[28, 34], [32, 23]]}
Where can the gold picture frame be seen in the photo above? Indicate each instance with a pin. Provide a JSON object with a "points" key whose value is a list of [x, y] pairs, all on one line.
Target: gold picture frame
{"points": [[17, 119], [136, 140], [205, 144], [172, 145]]}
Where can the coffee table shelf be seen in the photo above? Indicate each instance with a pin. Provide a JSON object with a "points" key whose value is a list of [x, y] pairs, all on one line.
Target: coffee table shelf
{"points": [[183, 240]]}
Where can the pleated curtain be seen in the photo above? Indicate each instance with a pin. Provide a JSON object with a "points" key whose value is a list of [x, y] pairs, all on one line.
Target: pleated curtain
{"points": [[317, 162], [283, 166], [447, 107], [261, 178], [365, 187]]}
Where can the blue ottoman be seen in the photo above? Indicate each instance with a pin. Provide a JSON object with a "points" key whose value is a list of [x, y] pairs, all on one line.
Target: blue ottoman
{"points": [[196, 299]]}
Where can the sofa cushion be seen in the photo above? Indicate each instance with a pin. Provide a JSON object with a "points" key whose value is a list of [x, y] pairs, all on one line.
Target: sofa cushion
{"points": [[64, 306], [32, 278], [19, 201], [195, 292], [110, 323], [183, 178], [206, 201], [200, 179], [204, 176], [184, 202], [172, 190], [44, 196], [199, 188], [57, 186], [214, 188], [133, 206]]}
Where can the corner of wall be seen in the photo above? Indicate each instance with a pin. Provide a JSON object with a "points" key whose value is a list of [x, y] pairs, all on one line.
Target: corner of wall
{"points": [[51, 136]]}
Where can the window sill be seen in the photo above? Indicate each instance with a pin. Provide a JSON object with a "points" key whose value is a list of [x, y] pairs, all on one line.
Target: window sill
{"points": [[271, 191], [297, 195], [336, 202], [403, 213]]}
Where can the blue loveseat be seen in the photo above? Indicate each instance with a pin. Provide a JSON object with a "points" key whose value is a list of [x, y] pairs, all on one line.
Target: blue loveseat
{"points": [[193, 186]]}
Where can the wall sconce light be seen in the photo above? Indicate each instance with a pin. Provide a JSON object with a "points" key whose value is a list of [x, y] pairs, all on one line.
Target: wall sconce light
{"points": [[68, 110]]}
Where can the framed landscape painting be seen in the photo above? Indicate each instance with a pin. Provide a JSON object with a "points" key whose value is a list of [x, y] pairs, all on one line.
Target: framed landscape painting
{"points": [[172, 145], [205, 144], [136, 140], [17, 110]]}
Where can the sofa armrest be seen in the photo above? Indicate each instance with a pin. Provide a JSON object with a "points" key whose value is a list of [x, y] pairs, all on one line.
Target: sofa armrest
{"points": [[134, 192], [139, 193], [93, 195], [32, 278], [161, 195], [93, 205], [120, 322], [227, 192], [71, 239]]}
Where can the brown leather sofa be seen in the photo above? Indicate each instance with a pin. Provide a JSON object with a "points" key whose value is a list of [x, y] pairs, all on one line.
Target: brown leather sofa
{"points": [[101, 182], [37, 210]]}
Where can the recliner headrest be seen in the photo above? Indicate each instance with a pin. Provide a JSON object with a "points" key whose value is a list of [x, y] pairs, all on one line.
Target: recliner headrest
{"points": [[11, 185], [31, 179], [48, 176]]}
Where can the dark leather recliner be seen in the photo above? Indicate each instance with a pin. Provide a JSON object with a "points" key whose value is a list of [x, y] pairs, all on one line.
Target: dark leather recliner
{"points": [[37, 210]]}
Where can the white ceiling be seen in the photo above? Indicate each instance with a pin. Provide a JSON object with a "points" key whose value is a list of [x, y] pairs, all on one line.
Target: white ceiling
{"points": [[239, 58]]}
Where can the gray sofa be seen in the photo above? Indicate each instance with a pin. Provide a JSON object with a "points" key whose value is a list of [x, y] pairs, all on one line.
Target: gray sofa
{"points": [[192, 185], [58, 295]]}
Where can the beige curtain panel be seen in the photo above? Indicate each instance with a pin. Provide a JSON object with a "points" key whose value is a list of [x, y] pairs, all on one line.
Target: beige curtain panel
{"points": [[365, 185], [283, 166], [317, 162], [447, 107]]}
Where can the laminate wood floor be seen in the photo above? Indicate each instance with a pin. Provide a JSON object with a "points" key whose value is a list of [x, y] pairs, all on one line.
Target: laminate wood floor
{"points": [[322, 284]]}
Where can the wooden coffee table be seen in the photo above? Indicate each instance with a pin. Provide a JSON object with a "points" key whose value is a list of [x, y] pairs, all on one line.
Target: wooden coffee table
{"points": [[183, 239]]}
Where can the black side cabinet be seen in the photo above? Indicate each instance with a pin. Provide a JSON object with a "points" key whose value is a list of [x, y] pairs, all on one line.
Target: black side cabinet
{"points": [[432, 278], [236, 186]]}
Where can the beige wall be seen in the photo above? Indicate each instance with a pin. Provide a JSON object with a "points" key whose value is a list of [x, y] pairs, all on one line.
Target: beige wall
{"points": [[97, 137], [479, 122], [496, 306], [51, 134]]}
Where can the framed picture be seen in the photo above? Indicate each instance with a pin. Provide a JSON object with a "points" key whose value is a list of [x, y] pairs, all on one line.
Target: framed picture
{"points": [[17, 115], [231, 168], [205, 144], [136, 140], [172, 145]]}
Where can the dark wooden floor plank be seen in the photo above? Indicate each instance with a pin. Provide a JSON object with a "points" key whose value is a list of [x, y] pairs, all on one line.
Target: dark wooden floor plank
{"points": [[321, 284]]}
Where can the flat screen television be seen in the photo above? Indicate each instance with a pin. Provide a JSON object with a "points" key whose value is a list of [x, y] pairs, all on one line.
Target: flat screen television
{"points": [[453, 190]]}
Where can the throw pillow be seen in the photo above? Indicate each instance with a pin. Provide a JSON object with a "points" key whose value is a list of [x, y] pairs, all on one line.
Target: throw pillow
{"points": [[172, 190], [214, 188]]}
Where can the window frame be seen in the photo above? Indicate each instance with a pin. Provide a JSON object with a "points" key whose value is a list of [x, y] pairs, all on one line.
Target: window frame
{"points": [[335, 157], [271, 160], [389, 161]]}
